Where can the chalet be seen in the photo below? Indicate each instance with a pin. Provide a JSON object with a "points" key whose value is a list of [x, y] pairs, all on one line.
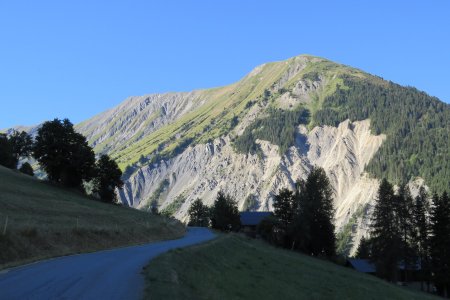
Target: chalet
{"points": [[251, 219]]}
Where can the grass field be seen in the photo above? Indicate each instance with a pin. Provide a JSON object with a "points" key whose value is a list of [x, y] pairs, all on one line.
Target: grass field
{"points": [[234, 267], [39, 220]]}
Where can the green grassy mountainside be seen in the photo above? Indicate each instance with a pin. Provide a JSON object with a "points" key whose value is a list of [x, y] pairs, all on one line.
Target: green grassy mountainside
{"points": [[39, 220], [233, 267]]}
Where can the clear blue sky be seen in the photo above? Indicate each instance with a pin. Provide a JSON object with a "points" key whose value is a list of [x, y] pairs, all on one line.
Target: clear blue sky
{"points": [[75, 59]]}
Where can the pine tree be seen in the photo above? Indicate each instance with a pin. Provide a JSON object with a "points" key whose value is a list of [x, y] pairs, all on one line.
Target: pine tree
{"points": [[385, 234], [440, 243], [225, 214], [283, 212], [364, 249], [198, 214], [313, 222], [421, 235], [403, 215]]}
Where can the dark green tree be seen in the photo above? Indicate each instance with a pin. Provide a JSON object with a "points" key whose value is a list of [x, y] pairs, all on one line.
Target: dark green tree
{"points": [[312, 227], [198, 214], [385, 234], [284, 211], [64, 154], [440, 243], [107, 179], [404, 217], [225, 213], [21, 144], [421, 237], [364, 249], [26, 169], [7, 158], [316, 206]]}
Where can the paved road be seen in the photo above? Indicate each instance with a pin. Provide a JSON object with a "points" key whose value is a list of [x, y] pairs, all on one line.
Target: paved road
{"points": [[110, 274]]}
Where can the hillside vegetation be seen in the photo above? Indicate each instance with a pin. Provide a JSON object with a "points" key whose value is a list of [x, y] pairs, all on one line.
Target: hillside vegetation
{"points": [[39, 220], [233, 267], [417, 128]]}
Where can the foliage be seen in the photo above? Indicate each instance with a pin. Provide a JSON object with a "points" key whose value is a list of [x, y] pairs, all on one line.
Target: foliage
{"points": [[7, 158], [364, 250], [198, 214], [315, 215], [162, 187], [385, 234], [421, 237], [225, 213], [63, 153], [440, 243], [174, 206], [21, 143], [417, 128], [344, 239], [278, 128], [26, 169], [284, 211], [303, 220], [107, 179]]}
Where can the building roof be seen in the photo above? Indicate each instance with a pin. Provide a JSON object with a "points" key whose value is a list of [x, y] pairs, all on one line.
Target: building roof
{"points": [[362, 265], [253, 218]]}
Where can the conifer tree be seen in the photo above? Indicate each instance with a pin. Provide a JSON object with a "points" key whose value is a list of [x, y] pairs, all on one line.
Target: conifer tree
{"points": [[363, 251], [440, 243], [198, 214], [313, 222], [421, 235], [385, 234], [225, 214], [284, 212], [403, 216]]}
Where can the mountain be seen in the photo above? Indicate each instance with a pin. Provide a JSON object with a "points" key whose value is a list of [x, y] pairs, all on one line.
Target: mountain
{"points": [[267, 130]]}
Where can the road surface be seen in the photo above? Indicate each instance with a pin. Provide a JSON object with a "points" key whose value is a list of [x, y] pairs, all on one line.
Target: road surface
{"points": [[110, 274]]}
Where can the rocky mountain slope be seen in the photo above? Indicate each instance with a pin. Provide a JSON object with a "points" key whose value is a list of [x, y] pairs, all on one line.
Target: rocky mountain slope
{"points": [[267, 130]]}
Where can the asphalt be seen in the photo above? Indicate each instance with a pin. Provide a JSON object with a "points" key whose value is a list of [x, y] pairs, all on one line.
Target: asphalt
{"points": [[110, 274]]}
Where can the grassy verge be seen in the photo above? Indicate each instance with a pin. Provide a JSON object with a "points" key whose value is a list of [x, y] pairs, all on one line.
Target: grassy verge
{"points": [[39, 220], [233, 267]]}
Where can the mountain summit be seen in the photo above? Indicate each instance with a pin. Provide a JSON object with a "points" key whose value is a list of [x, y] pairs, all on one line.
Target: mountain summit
{"points": [[267, 130]]}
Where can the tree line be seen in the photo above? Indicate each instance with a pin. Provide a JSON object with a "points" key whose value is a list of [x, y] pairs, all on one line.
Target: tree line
{"points": [[66, 158], [302, 219], [223, 215], [410, 232]]}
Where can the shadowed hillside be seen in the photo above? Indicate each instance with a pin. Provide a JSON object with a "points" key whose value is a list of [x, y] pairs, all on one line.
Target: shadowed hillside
{"points": [[39, 220]]}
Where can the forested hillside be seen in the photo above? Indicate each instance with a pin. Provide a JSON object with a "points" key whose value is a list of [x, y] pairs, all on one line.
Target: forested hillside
{"points": [[417, 128]]}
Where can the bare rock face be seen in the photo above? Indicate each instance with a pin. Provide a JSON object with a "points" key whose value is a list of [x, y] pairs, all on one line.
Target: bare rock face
{"points": [[203, 170], [135, 118]]}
